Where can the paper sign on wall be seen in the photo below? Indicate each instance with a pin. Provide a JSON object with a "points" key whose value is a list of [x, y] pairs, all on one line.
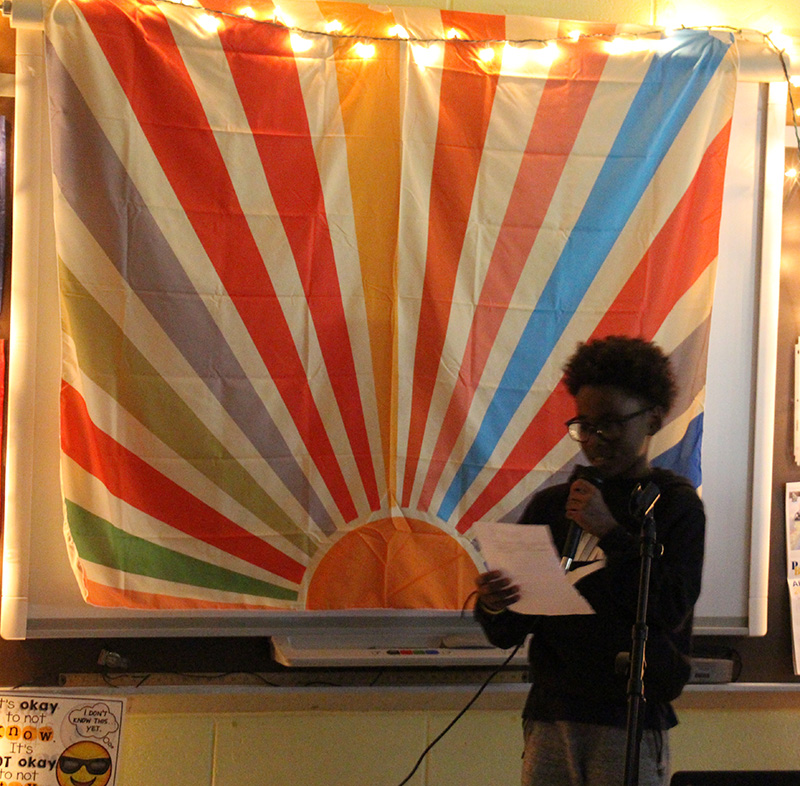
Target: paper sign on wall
{"points": [[793, 565], [59, 740]]}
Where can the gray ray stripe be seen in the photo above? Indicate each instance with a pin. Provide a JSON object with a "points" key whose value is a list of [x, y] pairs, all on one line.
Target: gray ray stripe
{"points": [[111, 207]]}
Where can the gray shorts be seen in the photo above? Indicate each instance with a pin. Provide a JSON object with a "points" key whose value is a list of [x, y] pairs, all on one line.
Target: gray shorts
{"points": [[565, 753]]}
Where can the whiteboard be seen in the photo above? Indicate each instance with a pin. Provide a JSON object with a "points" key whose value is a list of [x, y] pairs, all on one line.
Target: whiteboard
{"points": [[40, 597], [740, 412]]}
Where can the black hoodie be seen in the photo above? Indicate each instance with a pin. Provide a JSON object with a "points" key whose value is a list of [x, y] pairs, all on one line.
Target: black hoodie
{"points": [[574, 658]]}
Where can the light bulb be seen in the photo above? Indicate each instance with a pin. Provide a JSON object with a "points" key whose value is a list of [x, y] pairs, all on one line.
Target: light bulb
{"points": [[621, 46], [513, 55], [300, 44], [546, 53], [782, 41], [209, 22], [425, 56], [398, 31], [365, 51], [279, 16]]}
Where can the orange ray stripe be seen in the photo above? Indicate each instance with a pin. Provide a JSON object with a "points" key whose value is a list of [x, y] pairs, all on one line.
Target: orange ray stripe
{"points": [[468, 90], [371, 115], [259, 55], [101, 595]]}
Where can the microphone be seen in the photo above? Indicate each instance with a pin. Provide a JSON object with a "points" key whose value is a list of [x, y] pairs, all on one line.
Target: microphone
{"points": [[574, 532]]}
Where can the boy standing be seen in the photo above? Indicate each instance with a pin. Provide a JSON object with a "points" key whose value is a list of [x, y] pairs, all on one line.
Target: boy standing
{"points": [[576, 712]]}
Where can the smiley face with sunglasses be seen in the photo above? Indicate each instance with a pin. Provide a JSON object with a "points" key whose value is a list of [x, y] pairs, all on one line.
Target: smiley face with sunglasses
{"points": [[85, 763]]}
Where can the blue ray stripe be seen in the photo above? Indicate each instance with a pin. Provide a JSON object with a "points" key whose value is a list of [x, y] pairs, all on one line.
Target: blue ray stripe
{"points": [[684, 457], [672, 86]]}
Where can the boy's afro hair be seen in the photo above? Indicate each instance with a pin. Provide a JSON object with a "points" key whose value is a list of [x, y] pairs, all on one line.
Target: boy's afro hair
{"points": [[638, 367]]}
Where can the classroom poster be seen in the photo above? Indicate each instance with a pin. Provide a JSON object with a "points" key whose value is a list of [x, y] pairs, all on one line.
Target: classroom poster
{"points": [[793, 565], [59, 740]]}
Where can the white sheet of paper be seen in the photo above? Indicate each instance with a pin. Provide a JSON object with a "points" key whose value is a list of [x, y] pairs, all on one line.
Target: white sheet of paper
{"points": [[528, 556]]}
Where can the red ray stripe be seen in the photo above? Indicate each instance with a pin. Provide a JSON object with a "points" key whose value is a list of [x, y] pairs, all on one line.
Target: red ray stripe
{"points": [[260, 55], [175, 124], [138, 484], [680, 253], [559, 117], [468, 93]]}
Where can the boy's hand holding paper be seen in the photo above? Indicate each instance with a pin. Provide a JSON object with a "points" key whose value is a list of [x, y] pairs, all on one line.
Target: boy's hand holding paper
{"points": [[528, 556]]}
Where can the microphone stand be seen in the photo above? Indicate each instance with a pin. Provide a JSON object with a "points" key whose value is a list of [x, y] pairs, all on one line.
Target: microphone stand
{"points": [[642, 502]]}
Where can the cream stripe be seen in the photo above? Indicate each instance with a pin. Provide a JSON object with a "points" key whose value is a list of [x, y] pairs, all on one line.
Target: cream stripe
{"points": [[112, 293], [119, 580], [89, 493], [506, 143], [208, 68], [656, 205], [110, 107], [130, 433], [420, 127]]}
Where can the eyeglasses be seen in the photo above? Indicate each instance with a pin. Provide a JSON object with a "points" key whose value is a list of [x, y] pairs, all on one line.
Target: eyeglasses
{"points": [[610, 429], [70, 765]]}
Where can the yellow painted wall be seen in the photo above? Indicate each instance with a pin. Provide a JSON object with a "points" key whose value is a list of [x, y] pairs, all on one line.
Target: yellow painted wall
{"points": [[749, 14], [265, 742], [362, 747]]}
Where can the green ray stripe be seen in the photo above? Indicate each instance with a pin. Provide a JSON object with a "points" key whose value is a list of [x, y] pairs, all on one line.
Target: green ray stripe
{"points": [[100, 542], [113, 363]]}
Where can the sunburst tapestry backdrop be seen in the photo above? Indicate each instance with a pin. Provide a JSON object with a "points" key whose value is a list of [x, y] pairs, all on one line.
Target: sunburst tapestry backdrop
{"points": [[319, 275]]}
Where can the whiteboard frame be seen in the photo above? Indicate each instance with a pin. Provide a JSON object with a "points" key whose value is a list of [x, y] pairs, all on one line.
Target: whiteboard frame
{"points": [[26, 484]]}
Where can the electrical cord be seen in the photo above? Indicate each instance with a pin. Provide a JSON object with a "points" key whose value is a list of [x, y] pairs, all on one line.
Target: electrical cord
{"points": [[460, 714], [113, 678]]}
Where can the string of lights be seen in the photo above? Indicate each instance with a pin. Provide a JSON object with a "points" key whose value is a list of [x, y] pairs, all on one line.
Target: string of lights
{"points": [[301, 39], [544, 49], [334, 29]]}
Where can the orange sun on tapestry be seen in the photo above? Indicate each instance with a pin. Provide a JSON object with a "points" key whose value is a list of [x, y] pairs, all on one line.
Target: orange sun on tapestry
{"points": [[393, 563]]}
